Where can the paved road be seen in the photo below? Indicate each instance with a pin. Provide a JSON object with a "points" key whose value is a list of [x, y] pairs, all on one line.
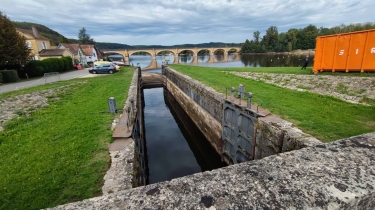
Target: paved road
{"points": [[40, 81]]}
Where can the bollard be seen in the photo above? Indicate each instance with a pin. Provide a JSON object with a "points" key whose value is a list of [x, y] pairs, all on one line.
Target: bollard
{"points": [[112, 105], [139, 72], [132, 103], [232, 91], [249, 95], [128, 121], [132, 108], [241, 91]]}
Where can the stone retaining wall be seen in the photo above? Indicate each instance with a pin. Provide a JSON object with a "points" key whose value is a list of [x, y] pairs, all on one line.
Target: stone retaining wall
{"points": [[204, 106], [120, 174], [339, 175]]}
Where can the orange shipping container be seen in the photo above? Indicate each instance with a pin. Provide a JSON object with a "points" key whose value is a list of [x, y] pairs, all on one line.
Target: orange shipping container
{"points": [[346, 52]]}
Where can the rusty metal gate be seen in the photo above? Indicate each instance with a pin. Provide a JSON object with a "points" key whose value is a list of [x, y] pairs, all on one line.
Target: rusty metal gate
{"points": [[238, 132]]}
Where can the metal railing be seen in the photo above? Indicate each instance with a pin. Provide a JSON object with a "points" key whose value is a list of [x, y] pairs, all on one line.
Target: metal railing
{"points": [[242, 95]]}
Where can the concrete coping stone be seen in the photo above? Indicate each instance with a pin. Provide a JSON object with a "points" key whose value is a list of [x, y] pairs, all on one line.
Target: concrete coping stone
{"points": [[337, 175]]}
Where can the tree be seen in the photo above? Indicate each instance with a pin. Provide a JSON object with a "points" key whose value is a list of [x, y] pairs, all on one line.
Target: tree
{"points": [[256, 36], [246, 47], [13, 47], [291, 36], [271, 39], [84, 38]]}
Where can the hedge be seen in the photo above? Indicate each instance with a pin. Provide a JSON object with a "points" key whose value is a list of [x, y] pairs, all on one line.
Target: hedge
{"points": [[37, 68], [9, 76]]}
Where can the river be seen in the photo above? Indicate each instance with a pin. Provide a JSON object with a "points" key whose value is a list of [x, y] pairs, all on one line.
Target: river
{"points": [[232, 60]]}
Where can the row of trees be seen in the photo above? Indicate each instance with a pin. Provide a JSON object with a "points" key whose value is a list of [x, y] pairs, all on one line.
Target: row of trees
{"points": [[303, 39]]}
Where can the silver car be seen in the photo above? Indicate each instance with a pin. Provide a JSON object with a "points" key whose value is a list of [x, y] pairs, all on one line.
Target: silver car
{"points": [[103, 67]]}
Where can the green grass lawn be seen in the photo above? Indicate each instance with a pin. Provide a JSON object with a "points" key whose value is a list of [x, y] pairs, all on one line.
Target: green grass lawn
{"points": [[324, 117], [58, 154], [279, 70]]}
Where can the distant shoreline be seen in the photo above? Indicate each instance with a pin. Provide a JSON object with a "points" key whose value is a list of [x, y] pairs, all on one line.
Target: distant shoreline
{"points": [[301, 52]]}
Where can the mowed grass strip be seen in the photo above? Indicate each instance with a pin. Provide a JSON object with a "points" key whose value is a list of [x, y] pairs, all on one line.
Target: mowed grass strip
{"points": [[58, 154], [284, 70], [324, 117]]}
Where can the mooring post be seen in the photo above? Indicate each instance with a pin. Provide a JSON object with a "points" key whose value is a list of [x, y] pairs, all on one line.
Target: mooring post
{"points": [[232, 90], [249, 95], [132, 107], [139, 72], [241, 91], [128, 121]]}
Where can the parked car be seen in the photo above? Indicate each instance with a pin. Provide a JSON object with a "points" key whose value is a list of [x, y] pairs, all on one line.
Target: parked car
{"points": [[103, 67], [77, 66], [118, 64]]}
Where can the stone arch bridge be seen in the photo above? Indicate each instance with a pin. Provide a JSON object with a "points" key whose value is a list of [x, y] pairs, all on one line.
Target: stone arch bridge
{"points": [[175, 51]]}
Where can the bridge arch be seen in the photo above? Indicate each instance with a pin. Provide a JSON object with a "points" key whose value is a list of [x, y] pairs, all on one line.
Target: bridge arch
{"points": [[194, 51], [142, 58], [206, 51], [232, 50], [115, 56], [157, 52], [139, 51]]}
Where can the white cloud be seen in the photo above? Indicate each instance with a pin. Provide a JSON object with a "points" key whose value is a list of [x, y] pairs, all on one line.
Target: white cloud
{"points": [[137, 22]]}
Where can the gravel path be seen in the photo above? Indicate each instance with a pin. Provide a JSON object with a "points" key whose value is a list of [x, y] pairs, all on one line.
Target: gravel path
{"points": [[351, 89], [23, 105]]}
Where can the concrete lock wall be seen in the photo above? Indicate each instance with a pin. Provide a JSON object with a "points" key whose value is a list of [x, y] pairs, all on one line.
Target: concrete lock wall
{"points": [[192, 96], [204, 106], [338, 175]]}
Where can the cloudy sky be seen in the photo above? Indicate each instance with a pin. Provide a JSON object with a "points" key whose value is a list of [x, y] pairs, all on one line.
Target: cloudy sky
{"points": [[169, 22]]}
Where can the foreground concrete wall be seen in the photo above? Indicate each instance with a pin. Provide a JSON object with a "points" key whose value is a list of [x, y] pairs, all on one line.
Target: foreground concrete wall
{"points": [[204, 106], [339, 175], [275, 136]]}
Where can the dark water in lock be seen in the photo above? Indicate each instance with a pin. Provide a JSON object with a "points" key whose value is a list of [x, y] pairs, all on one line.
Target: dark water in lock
{"points": [[175, 146]]}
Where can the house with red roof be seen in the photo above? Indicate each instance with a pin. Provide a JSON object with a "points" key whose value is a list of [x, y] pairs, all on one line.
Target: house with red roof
{"points": [[34, 41], [82, 54]]}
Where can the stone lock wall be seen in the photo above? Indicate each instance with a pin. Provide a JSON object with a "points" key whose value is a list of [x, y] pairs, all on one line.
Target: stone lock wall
{"points": [[206, 122], [204, 106], [277, 136]]}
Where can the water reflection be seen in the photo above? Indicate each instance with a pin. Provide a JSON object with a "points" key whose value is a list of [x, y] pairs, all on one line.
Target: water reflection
{"points": [[175, 147], [232, 60]]}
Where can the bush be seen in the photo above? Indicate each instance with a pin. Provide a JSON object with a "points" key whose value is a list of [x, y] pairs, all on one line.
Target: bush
{"points": [[1, 78], [70, 66], [34, 68], [38, 68], [51, 65], [9, 76], [66, 63]]}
